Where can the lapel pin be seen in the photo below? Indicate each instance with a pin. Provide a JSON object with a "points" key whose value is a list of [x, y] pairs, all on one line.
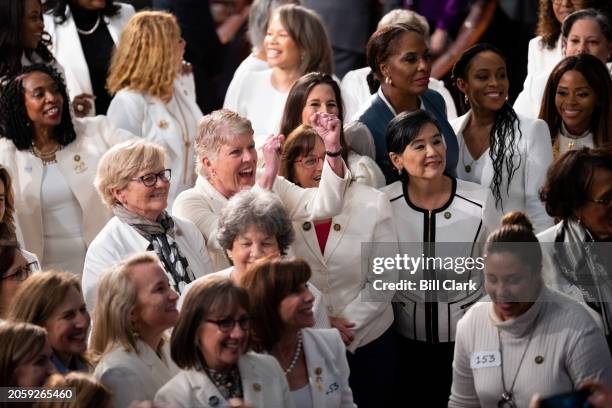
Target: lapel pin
{"points": [[539, 359], [162, 124], [256, 387], [213, 401], [337, 227], [447, 215], [318, 371]]}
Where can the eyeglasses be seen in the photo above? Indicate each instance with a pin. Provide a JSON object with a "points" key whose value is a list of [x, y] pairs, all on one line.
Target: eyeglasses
{"points": [[227, 325], [310, 161], [575, 3], [22, 273], [149, 180]]}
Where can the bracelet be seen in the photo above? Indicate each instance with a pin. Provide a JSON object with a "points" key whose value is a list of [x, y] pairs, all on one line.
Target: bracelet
{"points": [[334, 154]]}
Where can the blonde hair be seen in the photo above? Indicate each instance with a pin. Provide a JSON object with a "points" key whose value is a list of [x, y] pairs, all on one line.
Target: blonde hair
{"points": [[20, 343], [145, 59], [123, 162], [88, 391], [216, 129]]}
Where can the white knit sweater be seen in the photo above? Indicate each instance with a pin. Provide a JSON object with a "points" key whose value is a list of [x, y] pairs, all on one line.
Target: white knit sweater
{"points": [[567, 347]]}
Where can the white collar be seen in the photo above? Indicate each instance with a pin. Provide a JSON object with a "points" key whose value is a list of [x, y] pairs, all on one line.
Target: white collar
{"points": [[386, 101]]}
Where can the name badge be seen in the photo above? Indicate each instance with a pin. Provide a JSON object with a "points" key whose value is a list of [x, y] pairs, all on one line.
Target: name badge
{"points": [[484, 359]]}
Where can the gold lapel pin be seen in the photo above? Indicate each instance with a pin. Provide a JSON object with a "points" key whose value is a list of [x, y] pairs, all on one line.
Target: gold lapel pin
{"points": [[162, 124]]}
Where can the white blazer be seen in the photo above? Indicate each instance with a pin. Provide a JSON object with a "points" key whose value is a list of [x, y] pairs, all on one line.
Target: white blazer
{"points": [[366, 217], [263, 385], [78, 162], [202, 205], [118, 240], [535, 151], [328, 370], [365, 170], [135, 375], [150, 117], [66, 46]]}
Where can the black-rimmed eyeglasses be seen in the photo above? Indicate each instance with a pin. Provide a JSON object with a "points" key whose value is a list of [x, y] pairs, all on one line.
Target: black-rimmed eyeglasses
{"points": [[22, 273], [227, 325], [149, 180]]}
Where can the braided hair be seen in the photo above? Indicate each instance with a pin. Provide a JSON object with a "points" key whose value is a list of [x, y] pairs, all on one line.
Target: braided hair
{"points": [[503, 139], [16, 125]]}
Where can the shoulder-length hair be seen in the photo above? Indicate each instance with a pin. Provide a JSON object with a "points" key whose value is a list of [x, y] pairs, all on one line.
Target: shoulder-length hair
{"points": [[268, 282], [206, 297], [15, 123], [549, 28], [20, 343], [598, 78], [305, 27], [7, 222], [11, 39], [297, 98], [58, 9], [117, 297], [145, 59]]}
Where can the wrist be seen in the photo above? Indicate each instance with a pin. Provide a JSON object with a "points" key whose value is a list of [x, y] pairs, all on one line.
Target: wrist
{"points": [[334, 151]]}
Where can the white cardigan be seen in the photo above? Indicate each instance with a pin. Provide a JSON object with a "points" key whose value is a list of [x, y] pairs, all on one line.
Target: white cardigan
{"points": [[366, 217], [135, 375], [202, 205], [535, 150], [154, 120], [78, 162], [66, 46], [263, 384], [118, 240]]}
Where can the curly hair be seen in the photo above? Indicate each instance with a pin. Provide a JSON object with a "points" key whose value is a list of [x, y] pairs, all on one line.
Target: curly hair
{"points": [[145, 59], [549, 28], [58, 9], [596, 75], [16, 125], [7, 222], [503, 138], [11, 42]]}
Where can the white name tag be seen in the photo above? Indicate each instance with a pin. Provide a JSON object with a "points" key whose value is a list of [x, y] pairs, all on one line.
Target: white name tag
{"points": [[484, 359]]}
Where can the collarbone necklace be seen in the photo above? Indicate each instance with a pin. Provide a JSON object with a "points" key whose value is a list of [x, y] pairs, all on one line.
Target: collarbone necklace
{"points": [[91, 30]]}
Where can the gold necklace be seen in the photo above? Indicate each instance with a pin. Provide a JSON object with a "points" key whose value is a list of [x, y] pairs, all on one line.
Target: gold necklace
{"points": [[46, 157]]}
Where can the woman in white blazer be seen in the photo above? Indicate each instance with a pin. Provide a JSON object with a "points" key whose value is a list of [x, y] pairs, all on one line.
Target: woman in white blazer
{"points": [[498, 149], [313, 360], [226, 163], [318, 92], [52, 160], [134, 184], [335, 256], [136, 305], [209, 344], [83, 34], [152, 98]]}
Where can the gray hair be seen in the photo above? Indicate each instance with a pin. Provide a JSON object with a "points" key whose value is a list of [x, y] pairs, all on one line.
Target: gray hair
{"points": [[216, 129], [261, 10], [404, 16], [261, 209]]}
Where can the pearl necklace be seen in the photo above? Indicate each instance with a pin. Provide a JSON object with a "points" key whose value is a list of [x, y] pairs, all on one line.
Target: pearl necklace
{"points": [[296, 355], [91, 31]]}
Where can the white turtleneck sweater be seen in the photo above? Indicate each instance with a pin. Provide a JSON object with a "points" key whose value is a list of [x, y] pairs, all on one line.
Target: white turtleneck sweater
{"points": [[566, 348]]}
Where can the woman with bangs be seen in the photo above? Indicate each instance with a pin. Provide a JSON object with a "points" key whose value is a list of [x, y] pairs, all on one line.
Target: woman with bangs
{"points": [[152, 97]]}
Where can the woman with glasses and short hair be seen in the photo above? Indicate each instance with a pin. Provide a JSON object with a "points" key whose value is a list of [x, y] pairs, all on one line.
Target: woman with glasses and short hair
{"points": [[209, 343], [134, 183]]}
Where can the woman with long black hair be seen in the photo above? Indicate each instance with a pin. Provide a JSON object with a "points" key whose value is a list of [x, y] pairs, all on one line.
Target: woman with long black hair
{"points": [[497, 148]]}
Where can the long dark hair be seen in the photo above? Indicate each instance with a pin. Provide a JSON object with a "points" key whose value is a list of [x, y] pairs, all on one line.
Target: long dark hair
{"points": [[57, 8], [11, 42], [15, 124], [503, 137]]}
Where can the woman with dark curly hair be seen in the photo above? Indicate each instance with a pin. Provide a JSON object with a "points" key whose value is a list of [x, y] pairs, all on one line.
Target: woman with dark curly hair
{"points": [[498, 149], [52, 161], [22, 39], [84, 33], [578, 191]]}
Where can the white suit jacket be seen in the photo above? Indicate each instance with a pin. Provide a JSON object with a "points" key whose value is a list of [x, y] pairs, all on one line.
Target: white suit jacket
{"points": [[148, 116], [118, 240], [263, 384], [202, 205], [66, 47], [328, 370], [338, 273], [535, 150], [135, 376], [77, 162]]}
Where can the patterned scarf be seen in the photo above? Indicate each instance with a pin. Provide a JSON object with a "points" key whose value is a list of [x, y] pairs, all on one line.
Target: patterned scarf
{"points": [[228, 383], [160, 235]]}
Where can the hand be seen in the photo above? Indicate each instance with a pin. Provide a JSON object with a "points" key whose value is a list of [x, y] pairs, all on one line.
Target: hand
{"points": [[271, 153], [602, 395], [344, 327], [437, 43], [82, 104], [328, 126], [535, 401]]}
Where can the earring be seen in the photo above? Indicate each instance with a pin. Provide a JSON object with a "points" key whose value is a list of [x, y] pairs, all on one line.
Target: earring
{"points": [[388, 81], [399, 172], [466, 99]]}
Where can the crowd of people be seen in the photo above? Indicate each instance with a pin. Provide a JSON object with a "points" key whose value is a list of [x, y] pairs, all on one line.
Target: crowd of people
{"points": [[155, 252]]}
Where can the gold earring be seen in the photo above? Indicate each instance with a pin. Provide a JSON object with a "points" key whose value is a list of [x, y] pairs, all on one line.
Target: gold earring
{"points": [[388, 81], [466, 99]]}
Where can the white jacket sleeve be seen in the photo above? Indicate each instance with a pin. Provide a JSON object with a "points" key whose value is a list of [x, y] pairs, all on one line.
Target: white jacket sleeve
{"points": [[127, 111], [99, 258], [365, 171], [346, 400], [463, 390], [125, 385]]}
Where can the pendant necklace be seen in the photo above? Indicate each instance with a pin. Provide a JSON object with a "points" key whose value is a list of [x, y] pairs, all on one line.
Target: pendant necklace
{"points": [[90, 31]]}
